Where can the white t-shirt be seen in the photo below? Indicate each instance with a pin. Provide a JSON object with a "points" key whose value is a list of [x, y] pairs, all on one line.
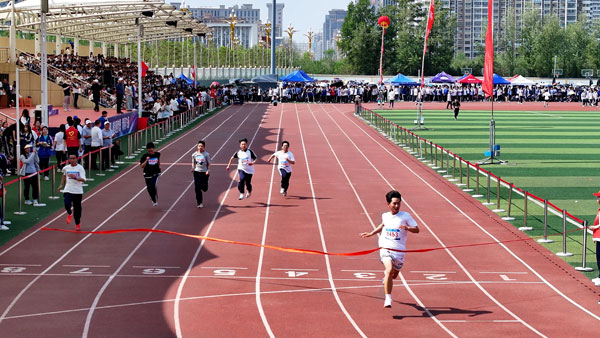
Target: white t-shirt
{"points": [[392, 237], [60, 141], [283, 159], [97, 140], [244, 157], [73, 186]]}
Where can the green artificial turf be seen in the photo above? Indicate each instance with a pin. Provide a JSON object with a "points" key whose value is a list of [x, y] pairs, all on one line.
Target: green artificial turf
{"points": [[554, 155]]}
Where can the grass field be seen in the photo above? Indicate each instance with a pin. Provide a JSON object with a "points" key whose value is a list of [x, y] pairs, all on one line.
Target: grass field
{"points": [[554, 155]]}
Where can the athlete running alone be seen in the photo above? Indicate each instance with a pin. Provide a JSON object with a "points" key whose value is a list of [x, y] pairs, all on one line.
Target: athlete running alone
{"points": [[394, 228], [150, 162], [285, 158], [200, 168], [74, 177], [246, 160]]}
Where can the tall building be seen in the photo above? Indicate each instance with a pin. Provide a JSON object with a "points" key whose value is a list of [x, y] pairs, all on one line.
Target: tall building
{"points": [[333, 24], [247, 30], [278, 17], [591, 8], [471, 17]]}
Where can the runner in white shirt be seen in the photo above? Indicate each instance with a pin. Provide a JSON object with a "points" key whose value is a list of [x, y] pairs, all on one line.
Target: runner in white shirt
{"points": [[74, 175], [285, 159], [201, 171], [246, 159], [394, 228]]}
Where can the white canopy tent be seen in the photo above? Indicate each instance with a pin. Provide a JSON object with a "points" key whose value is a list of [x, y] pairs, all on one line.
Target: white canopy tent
{"points": [[519, 80]]}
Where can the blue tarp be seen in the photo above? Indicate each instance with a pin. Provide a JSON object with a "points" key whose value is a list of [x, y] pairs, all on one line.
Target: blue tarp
{"points": [[184, 78], [499, 80], [402, 80], [443, 78], [297, 76]]}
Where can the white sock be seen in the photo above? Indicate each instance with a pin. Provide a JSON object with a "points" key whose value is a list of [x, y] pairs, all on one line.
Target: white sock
{"points": [[388, 297]]}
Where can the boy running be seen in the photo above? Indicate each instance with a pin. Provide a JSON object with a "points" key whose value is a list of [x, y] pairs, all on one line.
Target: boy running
{"points": [[394, 227], [246, 159], [74, 176], [285, 158], [150, 162], [200, 168]]}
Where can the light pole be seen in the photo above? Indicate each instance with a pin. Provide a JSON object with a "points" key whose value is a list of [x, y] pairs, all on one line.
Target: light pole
{"points": [[338, 38], [290, 31], [310, 35], [273, 18]]}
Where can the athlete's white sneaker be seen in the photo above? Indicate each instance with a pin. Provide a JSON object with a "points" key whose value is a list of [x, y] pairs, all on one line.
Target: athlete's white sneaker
{"points": [[3, 227], [46, 178], [281, 191], [200, 205], [284, 193], [241, 197], [28, 202], [155, 204], [248, 194], [387, 303], [596, 280]]}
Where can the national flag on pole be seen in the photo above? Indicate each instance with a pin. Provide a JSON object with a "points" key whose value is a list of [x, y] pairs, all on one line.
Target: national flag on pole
{"points": [[194, 75], [488, 69], [144, 68], [430, 19]]}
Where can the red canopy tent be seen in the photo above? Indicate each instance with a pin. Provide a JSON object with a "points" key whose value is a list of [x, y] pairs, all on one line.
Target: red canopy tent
{"points": [[470, 79]]}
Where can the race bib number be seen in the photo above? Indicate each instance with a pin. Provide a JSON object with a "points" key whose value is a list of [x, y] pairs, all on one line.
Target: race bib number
{"points": [[393, 234], [153, 161], [200, 159], [245, 161], [75, 173]]}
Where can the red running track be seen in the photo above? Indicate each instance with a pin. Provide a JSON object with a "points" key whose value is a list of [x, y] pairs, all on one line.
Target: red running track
{"points": [[152, 285]]}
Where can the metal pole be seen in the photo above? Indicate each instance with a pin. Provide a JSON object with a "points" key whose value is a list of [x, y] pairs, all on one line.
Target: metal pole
{"points": [[20, 212], [53, 196], [18, 150], [468, 177], [583, 266], [510, 192], [43, 64], [498, 196], [273, 29], [100, 173], [564, 252], [488, 190], [139, 56], [525, 227], [90, 178], [545, 239], [477, 194]]}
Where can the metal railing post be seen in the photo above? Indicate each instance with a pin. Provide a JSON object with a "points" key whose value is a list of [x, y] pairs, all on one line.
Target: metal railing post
{"points": [[564, 252], [545, 239], [510, 193], [525, 227], [498, 209], [100, 173], [489, 178], [53, 196], [583, 266], [477, 194], [20, 212]]}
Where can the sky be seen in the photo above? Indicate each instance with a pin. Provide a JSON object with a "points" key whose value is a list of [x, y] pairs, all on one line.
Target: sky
{"points": [[302, 14]]}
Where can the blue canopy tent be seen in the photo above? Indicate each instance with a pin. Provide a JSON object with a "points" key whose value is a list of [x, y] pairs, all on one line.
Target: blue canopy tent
{"points": [[402, 80], [499, 80], [184, 78], [443, 78], [297, 76]]}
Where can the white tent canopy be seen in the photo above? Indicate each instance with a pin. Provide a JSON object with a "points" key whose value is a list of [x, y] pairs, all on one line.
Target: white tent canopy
{"points": [[519, 80], [108, 21]]}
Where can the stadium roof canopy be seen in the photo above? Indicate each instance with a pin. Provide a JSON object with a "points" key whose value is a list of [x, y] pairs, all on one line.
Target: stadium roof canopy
{"points": [[108, 21]]}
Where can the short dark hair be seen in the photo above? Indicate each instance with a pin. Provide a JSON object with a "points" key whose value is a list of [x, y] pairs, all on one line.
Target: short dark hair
{"points": [[244, 140], [104, 112], [202, 142], [284, 142], [149, 145], [392, 194]]}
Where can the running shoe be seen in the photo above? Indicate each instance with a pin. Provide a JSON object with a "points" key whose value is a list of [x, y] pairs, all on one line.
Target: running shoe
{"points": [[28, 202], [155, 204], [387, 303], [284, 193], [281, 191], [596, 280], [4, 227], [200, 205], [69, 218], [248, 194], [77, 227], [241, 197], [46, 178]]}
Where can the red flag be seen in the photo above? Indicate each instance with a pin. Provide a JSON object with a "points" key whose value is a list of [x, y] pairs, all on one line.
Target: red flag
{"points": [[430, 20], [488, 69], [144, 68]]}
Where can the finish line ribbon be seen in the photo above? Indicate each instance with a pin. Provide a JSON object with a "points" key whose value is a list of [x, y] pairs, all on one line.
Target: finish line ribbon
{"points": [[295, 250]]}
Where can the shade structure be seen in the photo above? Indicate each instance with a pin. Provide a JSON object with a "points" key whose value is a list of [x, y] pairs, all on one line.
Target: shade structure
{"points": [[469, 79], [402, 81], [519, 80], [443, 78], [499, 80], [267, 78], [185, 78], [297, 76]]}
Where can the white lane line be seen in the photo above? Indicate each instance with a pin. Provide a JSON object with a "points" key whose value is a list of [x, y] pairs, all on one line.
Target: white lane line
{"points": [[14, 301], [320, 226], [433, 271], [184, 278], [480, 321], [508, 273], [156, 267], [85, 266], [90, 314], [88, 319], [222, 267], [364, 270], [422, 221], [108, 184], [550, 285], [282, 269], [257, 298], [20, 264]]}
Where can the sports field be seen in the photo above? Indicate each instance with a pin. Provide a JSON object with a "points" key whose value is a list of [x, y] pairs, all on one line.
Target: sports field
{"points": [[551, 154]]}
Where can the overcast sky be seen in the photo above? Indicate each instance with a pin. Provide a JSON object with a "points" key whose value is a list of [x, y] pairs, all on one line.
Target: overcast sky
{"points": [[302, 14]]}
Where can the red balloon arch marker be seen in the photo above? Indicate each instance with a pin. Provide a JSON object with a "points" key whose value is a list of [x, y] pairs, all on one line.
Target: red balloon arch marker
{"points": [[384, 23]]}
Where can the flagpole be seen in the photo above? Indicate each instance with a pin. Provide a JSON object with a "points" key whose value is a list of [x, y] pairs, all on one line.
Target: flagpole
{"points": [[381, 57], [430, 16]]}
